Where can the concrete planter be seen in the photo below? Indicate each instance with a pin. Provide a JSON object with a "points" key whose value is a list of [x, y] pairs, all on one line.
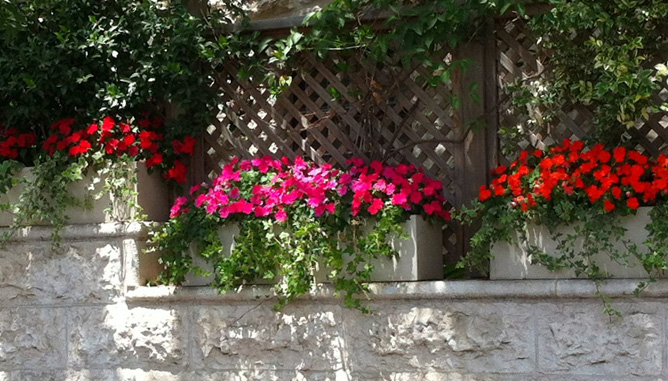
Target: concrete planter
{"points": [[511, 260], [420, 256], [152, 196]]}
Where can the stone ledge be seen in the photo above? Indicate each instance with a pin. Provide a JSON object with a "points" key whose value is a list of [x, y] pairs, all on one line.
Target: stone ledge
{"points": [[85, 231], [466, 289]]}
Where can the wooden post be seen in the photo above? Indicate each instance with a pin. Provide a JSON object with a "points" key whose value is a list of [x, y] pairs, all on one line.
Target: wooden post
{"points": [[475, 155]]}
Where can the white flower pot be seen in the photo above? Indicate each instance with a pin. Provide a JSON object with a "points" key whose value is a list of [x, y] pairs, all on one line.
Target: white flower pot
{"points": [[420, 256], [512, 261], [152, 197]]}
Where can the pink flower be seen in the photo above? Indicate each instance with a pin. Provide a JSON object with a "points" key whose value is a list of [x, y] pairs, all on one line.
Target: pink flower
{"points": [[342, 190], [262, 211], [281, 216], [376, 205], [177, 209], [195, 188], [199, 201], [376, 166], [242, 206], [399, 199], [356, 162]]}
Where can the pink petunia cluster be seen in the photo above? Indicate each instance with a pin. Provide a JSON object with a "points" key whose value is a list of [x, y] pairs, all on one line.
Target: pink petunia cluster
{"points": [[271, 188]]}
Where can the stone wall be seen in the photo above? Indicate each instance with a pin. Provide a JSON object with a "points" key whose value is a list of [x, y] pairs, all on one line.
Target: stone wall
{"points": [[276, 9], [81, 315]]}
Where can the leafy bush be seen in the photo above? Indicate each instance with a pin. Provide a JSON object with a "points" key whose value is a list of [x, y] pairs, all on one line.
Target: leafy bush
{"points": [[87, 58]]}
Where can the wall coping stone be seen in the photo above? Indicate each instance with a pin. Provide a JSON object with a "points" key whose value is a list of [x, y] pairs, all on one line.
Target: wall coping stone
{"points": [[464, 289], [135, 230]]}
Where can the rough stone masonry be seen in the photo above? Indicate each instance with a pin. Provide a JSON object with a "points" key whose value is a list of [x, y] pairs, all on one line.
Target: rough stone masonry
{"points": [[83, 315]]}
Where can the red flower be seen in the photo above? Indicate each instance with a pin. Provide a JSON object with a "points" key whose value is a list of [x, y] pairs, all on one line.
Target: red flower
{"points": [[617, 192], [633, 203], [154, 160], [125, 128], [93, 128], [144, 123], [433, 207], [188, 146], [638, 157], [609, 205], [178, 173], [485, 193], [129, 139], [80, 148], [619, 153], [108, 124]]}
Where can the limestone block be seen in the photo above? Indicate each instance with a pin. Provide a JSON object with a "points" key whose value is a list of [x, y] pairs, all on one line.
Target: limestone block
{"points": [[34, 375], [117, 335], [581, 339], [253, 336], [123, 375], [32, 338], [270, 9], [85, 272], [266, 375], [417, 337], [437, 376], [273, 9]]}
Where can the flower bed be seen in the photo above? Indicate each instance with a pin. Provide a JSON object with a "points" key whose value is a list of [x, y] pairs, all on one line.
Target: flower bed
{"points": [[147, 197], [75, 171], [293, 216], [594, 192]]}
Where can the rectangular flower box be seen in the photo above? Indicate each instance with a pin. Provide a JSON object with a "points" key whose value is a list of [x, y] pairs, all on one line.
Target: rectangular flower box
{"points": [[420, 256], [512, 261], [152, 196]]}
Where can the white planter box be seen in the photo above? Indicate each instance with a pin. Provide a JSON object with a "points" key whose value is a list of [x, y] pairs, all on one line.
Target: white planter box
{"points": [[152, 196], [511, 260], [420, 256]]}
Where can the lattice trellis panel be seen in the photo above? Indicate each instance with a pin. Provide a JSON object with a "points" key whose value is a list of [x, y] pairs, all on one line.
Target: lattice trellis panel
{"points": [[518, 59], [329, 115]]}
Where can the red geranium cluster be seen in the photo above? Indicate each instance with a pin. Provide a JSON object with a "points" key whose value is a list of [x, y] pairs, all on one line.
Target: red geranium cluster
{"points": [[13, 141], [267, 187], [142, 141], [608, 178]]}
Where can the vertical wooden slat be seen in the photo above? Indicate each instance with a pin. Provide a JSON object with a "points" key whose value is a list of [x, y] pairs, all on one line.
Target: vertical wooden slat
{"points": [[471, 156], [491, 97]]}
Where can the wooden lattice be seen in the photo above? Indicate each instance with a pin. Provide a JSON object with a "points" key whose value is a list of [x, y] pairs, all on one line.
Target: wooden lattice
{"points": [[519, 59], [381, 112], [328, 115]]}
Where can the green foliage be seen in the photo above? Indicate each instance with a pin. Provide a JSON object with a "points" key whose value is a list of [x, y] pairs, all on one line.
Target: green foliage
{"points": [[45, 195], [71, 58], [605, 54], [291, 254]]}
